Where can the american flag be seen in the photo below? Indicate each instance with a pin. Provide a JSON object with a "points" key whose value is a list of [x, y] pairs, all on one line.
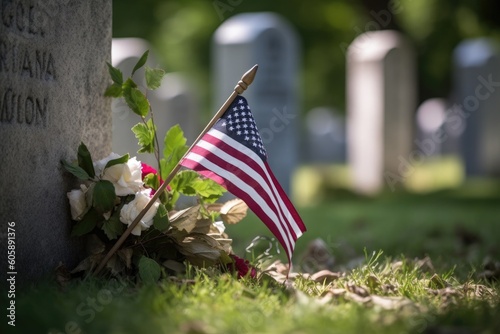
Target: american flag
{"points": [[232, 154]]}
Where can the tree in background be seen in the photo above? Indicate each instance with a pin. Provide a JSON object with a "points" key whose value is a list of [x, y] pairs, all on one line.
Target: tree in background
{"points": [[181, 32]]}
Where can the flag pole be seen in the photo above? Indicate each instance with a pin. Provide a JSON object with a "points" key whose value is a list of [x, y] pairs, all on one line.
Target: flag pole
{"points": [[245, 81]]}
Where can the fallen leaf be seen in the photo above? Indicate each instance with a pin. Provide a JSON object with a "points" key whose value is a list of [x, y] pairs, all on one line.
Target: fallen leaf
{"points": [[325, 276], [390, 303]]}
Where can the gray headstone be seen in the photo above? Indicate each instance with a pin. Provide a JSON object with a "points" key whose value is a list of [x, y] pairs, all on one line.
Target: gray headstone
{"points": [[325, 136], [52, 78], [476, 96], [268, 40], [381, 97], [173, 103]]}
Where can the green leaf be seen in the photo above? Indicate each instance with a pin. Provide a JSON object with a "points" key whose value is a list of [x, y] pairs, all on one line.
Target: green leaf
{"points": [[85, 160], [160, 221], [104, 196], [127, 85], [145, 134], [208, 189], [151, 180], [77, 171], [135, 99], [121, 160], [190, 183], [168, 164], [174, 196], [87, 224], [114, 90], [154, 76], [174, 138], [140, 63], [113, 227], [149, 270], [183, 182], [116, 74], [138, 102]]}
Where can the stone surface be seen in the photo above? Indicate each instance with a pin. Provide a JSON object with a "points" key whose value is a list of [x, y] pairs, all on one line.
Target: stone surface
{"points": [[268, 40], [175, 102], [52, 78], [476, 97], [381, 101]]}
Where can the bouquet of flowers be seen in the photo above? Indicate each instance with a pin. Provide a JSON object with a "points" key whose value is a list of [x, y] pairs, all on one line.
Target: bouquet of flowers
{"points": [[114, 190]]}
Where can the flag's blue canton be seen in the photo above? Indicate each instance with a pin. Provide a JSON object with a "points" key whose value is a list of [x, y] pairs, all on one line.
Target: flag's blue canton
{"points": [[238, 123]]}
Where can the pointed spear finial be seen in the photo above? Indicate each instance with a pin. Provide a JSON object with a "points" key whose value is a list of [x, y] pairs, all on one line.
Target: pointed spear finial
{"points": [[246, 80]]}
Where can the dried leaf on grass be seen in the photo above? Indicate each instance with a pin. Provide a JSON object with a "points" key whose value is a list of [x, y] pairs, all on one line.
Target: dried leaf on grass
{"points": [[325, 276], [200, 249]]}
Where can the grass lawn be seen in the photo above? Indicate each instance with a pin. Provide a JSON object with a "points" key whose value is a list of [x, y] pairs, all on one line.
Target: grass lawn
{"points": [[437, 274]]}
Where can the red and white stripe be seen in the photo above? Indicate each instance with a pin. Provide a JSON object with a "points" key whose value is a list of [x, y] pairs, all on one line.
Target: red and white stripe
{"points": [[243, 173]]}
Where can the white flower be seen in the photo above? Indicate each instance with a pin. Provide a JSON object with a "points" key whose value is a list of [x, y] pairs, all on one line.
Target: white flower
{"points": [[77, 202], [99, 165], [126, 178], [131, 210]]}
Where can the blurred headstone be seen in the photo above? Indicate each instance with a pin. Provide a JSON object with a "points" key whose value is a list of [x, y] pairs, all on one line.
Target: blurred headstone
{"points": [[325, 136], [430, 120], [381, 98], [476, 97], [53, 75], [268, 40], [173, 103]]}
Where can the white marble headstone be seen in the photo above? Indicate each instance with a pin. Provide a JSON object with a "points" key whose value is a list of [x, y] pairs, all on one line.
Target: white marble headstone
{"points": [[381, 98]]}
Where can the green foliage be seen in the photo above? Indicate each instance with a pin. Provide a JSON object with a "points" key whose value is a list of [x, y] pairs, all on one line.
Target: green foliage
{"points": [[76, 170], [160, 220], [174, 138], [87, 224], [145, 134], [140, 63], [103, 196], [149, 270], [114, 90], [183, 182], [207, 189], [116, 74], [113, 227], [135, 99], [154, 77], [85, 160], [151, 180], [121, 160], [190, 183], [175, 148]]}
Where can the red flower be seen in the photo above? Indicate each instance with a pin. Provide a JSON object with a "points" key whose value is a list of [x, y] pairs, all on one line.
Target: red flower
{"points": [[147, 169], [242, 267]]}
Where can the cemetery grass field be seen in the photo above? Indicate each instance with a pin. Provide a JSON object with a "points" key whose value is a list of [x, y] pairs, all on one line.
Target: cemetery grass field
{"points": [[406, 263]]}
